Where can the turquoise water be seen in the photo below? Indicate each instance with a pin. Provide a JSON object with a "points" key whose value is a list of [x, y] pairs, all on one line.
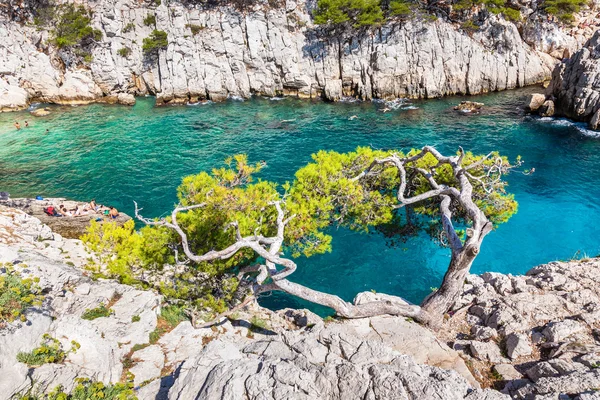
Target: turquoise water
{"points": [[118, 154]]}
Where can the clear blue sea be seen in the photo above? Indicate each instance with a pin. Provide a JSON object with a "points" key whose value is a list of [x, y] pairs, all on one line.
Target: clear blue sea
{"points": [[118, 155]]}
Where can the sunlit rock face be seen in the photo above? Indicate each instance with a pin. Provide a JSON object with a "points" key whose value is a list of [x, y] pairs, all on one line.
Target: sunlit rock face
{"points": [[216, 52]]}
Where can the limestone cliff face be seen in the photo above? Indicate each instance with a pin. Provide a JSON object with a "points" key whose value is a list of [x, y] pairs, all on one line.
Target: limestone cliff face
{"points": [[271, 51], [576, 84]]}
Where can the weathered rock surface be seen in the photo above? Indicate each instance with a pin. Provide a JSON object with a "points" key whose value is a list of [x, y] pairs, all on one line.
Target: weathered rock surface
{"points": [[546, 322], [576, 84], [538, 333], [68, 226], [295, 356], [271, 51]]}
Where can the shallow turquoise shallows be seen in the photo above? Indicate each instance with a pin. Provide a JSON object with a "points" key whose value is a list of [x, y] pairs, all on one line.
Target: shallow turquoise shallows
{"points": [[118, 154]]}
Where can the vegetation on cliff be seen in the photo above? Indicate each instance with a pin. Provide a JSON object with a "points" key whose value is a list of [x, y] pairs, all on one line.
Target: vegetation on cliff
{"points": [[227, 237], [16, 295]]}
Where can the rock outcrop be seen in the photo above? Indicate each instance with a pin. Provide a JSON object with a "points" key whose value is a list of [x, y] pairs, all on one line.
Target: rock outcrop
{"points": [[535, 336], [218, 51], [69, 226], [576, 84]]}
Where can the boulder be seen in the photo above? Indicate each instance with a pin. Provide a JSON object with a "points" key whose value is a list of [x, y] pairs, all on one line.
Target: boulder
{"points": [[126, 99], [12, 97], [487, 351], [469, 107], [547, 109], [40, 112], [517, 345], [507, 372], [535, 101], [559, 331]]}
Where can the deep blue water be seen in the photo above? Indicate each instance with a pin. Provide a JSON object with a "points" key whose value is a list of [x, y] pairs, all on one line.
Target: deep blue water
{"points": [[118, 154]]}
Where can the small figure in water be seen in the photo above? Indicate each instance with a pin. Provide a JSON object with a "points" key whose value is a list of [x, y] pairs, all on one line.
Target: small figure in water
{"points": [[17, 125], [113, 213], [26, 124], [47, 131], [352, 117]]}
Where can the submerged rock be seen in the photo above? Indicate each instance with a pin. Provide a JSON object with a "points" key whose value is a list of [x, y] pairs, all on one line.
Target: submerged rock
{"points": [[469, 107]]}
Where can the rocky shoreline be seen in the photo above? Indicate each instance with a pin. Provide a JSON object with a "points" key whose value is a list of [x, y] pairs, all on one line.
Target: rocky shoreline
{"points": [[523, 337], [279, 51], [68, 226]]}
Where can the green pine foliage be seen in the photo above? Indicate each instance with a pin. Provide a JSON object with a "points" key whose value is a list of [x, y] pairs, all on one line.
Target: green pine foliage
{"points": [[124, 52], [563, 9], [17, 294], [322, 194], [358, 12], [150, 20], [129, 27], [401, 8], [73, 27], [156, 41]]}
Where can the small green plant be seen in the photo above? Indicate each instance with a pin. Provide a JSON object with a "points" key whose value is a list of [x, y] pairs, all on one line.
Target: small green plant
{"points": [[173, 315], [49, 352], [98, 312], [17, 295], [135, 318], [85, 389], [257, 324], [150, 20], [400, 8], [129, 27], [155, 335], [137, 347], [124, 52], [156, 41], [469, 26], [328, 319], [194, 28], [563, 9]]}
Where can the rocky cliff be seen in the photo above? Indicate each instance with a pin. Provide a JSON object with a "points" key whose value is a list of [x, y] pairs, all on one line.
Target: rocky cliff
{"points": [[576, 84], [218, 51], [528, 337]]}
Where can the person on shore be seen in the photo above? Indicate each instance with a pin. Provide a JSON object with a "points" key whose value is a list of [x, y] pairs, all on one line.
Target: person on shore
{"points": [[64, 211], [17, 125], [113, 213], [92, 206]]}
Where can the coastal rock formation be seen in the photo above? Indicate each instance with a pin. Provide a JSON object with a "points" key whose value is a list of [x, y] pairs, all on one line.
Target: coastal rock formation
{"points": [[215, 52], [536, 336], [381, 358], [70, 227], [576, 84]]}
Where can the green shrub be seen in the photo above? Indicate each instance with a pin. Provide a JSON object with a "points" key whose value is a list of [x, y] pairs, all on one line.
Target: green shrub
{"points": [[156, 41], [469, 26], [358, 12], [72, 27], [195, 28], [98, 312], [150, 20], [173, 315], [135, 318], [400, 8], [156, 334], [17, 295], [124, 52], [129, 27], [511, 14], [563, 9], [49, 352], [85, 389], [257, 324]]}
